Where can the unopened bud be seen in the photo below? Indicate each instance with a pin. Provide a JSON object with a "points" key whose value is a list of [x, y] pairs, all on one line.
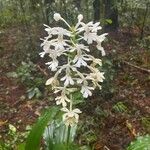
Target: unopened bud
{"points": [[80, 17], [57, 16]]}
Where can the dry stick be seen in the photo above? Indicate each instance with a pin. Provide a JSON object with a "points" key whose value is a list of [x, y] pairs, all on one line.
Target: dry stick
{"points": [[42, 70], [137, 67]]}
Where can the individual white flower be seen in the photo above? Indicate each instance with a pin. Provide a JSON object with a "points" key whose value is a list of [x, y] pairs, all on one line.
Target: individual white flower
{"points": [[102, 37], [56, 53], [48, 29], [97, 61], [90, 37], [57, 17], [97, 76], [63, 99], [60, 31], [86, 91], [71, 117], [84, 27], [53, 64], [68, 67], [53, 53], [67, 80], [79, 47], [95, 27], [99, 47], [56, 31], [99, 41], [80, 60], [65, 89], [90, 27], [59, 44], [46, 47]]}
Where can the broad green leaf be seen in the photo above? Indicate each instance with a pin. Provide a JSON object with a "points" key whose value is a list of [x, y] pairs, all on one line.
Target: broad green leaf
{"points": [[64, 146], [21, 146], [34, 138], [60, 147], [56, 133]]}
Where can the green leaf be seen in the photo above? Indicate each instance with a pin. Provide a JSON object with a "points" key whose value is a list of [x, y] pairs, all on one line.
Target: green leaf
{"points": [[34, 138], [21, 146], [109, 21], [141, 143], [63, 146], [60, 147], [57, 132], [120, 107]]}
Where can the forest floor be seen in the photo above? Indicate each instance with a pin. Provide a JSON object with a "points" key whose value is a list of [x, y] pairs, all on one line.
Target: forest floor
{"points": [[111, 123]]}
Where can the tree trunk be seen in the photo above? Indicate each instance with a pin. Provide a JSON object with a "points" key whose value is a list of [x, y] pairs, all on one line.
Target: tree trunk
{"points": [[111, 12], [96, 6]]}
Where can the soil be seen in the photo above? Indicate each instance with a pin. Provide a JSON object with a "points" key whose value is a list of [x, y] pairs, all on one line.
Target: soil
{"points": [[115, 130]]}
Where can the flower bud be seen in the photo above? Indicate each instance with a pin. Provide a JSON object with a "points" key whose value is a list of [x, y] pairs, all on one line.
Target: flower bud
{"points": [[80, 17], [57, 16]]}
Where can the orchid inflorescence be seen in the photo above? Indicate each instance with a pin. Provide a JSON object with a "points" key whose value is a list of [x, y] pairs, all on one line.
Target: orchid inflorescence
{"points": [[77, 70]]}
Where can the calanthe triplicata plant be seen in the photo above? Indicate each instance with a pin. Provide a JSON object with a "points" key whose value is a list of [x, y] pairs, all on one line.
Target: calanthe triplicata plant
{"points": [[75, 68]]}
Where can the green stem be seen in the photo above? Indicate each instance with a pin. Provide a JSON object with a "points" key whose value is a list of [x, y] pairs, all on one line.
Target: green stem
{"points": [[68, 136]]}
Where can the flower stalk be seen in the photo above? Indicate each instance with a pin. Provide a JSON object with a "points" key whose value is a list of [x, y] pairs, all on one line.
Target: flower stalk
{"points": [[79, 72]]}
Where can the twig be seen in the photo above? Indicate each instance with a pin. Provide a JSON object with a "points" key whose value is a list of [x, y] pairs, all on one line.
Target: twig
{"points": [[137, 67], [42, 70], [106, 148]]}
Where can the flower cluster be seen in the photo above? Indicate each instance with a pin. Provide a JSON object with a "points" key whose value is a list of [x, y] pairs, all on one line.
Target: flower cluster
{"points": [[74, 67]]}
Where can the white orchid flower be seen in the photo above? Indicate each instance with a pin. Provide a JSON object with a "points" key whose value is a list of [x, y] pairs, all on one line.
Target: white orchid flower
{"points": [[67, 80], [63, 99], [86, 91], [71, 117], [90, 37], [53, 64], [80, 60]]}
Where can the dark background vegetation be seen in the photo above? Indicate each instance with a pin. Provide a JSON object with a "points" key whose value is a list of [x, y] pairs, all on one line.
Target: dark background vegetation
{"points": [[111, 118]]}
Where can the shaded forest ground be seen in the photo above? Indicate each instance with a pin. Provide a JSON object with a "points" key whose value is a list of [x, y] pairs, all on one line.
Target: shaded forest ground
{"points": [[112, 128]]}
